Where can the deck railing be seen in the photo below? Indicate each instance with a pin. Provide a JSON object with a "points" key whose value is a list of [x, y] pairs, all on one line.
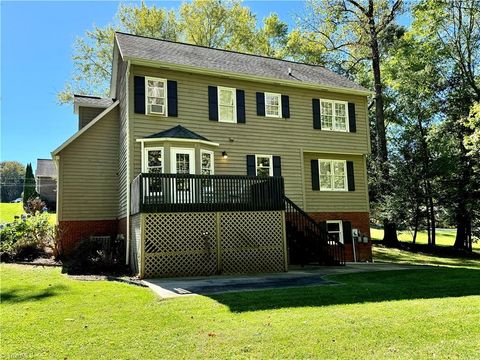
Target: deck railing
{"points": [[152, 192]]}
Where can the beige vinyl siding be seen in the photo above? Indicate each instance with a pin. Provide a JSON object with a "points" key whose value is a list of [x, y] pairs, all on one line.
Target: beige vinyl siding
{"points": [[88, 166], [87, 114], [260, 135], [337, 200], [123, 136]]}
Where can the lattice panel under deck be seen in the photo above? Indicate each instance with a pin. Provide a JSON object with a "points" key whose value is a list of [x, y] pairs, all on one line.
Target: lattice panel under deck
{"points": [[180, 244], [135, 239], [252, 242]]}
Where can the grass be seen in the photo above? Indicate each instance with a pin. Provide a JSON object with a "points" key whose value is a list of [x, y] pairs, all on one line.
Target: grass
{"points": [[425, 313], [8, 211]]}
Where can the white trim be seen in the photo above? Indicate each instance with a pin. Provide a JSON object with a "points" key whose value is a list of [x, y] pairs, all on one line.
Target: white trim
{"points": [[85, 128], [334, 152], [212, 163], [145, 157], [240, 76], [340, 228], [127, 185], [165, 109], [334, 116], [345, 179], [270, 170], [173, 159], [234, 97], [279, 96], [178, 140]]}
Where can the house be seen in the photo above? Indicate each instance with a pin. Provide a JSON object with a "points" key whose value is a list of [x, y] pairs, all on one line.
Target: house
{"points": [[212, 161], [46, 181]]}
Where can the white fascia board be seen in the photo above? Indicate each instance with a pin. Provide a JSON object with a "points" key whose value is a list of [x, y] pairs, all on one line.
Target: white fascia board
{"points": [[178, 140], [85, 128], [334, 152], [238, 76]]}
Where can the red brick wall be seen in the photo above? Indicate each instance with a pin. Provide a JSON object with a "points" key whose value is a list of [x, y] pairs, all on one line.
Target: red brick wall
{"points": [[360, 221], [122, 226], [73, 231]]}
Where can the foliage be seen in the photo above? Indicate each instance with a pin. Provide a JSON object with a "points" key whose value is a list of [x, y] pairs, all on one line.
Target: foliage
{"points": [[214, 23], [472, 122], [12, 174], [29, 191], [34, 206], [27, 237]]}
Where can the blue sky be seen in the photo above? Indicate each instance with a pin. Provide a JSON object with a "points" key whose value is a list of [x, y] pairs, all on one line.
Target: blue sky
{"points": [[36, 50]]}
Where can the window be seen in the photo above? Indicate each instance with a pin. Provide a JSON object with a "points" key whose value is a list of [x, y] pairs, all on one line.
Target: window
{"points": [[156, 96], [153, 160], [334, 229], [273, 105], [264, 165], [334, 115], [227, 107], [333, 175], [206, 162]]}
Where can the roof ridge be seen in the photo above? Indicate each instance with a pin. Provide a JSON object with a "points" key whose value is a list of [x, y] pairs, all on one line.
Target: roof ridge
{"points": [[224, 50]]}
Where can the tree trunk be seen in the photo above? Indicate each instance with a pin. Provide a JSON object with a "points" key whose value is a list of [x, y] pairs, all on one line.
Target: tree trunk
{"points": [[417, 220], [432, 220], [390, 233]]}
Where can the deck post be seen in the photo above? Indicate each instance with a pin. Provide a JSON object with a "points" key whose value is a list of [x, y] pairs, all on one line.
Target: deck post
{"points": [[284, 236], [218, 240], [141, 267]]}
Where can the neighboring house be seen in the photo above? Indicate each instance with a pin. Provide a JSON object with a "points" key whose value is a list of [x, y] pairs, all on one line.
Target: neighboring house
{"points": [[212, 161], [46, 181]]}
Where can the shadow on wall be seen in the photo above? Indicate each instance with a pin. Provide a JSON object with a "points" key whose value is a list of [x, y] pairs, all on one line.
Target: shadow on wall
{"points": [[360, 288]]}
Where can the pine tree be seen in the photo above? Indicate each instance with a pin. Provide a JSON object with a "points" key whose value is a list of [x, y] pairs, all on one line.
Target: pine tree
{"points": [[28, 185]]}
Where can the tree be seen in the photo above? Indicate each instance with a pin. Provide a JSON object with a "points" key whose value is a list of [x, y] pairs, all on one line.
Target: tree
{"points": [[28, 185], [12, 174], [353, 31]]}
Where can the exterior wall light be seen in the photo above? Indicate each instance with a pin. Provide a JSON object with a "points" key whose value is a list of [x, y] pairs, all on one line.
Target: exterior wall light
{"points": [[224, 155]]}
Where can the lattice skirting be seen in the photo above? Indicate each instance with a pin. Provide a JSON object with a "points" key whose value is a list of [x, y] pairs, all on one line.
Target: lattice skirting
{"points": [[199, 244]]}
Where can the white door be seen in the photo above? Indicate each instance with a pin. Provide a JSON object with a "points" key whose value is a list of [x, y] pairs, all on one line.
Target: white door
{"points": [[182, 161]]}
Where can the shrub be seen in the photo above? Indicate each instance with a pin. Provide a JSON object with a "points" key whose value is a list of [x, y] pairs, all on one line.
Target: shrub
{"points": [[27, 238], [34, 206]]}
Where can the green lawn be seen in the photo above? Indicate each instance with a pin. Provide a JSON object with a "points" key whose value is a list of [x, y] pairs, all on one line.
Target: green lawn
{"points": [[425, 313], [9, 210], [444, 237]]}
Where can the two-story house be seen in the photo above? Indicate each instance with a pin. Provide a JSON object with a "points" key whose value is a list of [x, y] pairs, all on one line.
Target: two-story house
{"points": [[213, 161]]}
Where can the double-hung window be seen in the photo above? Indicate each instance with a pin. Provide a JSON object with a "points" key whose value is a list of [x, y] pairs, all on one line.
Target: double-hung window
{"points": [[153, 163], [333, 175], [273, 105], [206, 162], [334, 115], [334, 229], [227, 105], [264, 165], [156, 96]]}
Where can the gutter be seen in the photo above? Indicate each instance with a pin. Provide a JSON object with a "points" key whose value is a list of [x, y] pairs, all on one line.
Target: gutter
{"points": [[127, 111]]}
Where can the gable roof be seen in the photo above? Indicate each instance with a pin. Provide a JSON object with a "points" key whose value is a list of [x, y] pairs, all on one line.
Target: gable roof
{"points": [[45, 168], [90, 101], [177, 132], [135, 48]]}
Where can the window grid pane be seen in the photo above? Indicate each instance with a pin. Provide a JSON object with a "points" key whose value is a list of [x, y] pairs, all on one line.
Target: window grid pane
{"points": [[156, 95], [263, 166]]}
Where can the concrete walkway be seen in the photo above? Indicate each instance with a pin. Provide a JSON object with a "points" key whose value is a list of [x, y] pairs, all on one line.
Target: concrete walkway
{"points": [[296, 277]]}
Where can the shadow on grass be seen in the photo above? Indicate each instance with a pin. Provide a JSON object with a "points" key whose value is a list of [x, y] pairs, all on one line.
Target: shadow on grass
{"points": [[361, 288], [18, 295]]}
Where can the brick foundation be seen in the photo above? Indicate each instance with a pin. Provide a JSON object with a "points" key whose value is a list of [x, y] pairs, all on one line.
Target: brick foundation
{"points": [[71, 232], [360, 221]]}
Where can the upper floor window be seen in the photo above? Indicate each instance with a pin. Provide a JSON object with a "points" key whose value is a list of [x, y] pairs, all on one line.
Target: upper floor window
{"points": [[264, 165], [333, 175], [206, 158], [273, 105], [334, 115], [153, 160], [227, 108], [156, 99]]}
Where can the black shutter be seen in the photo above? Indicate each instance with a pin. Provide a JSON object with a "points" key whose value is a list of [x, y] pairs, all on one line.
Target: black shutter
{"points": [[260, 104], [172, 98], [139, 94], [323, 229], [317, 123], [251, 171], [315, 178], [350, 176], [212, 103], [347, 232], [240, 106], [351, 117], [285, 106], [277, 166]]}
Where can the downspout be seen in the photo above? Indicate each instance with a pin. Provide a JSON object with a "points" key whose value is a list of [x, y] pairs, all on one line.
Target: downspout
{"points": [[127, 112]]}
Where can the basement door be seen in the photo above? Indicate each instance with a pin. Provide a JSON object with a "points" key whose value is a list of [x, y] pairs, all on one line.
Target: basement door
{"points": [[182, 161]]}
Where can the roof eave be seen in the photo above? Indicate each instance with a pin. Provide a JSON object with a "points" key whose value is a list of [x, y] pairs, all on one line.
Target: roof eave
{"points": [[240, 76], [172, 139]]}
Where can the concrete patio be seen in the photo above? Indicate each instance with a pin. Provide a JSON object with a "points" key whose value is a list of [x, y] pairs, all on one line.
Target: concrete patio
{"points": [[296, 277]]}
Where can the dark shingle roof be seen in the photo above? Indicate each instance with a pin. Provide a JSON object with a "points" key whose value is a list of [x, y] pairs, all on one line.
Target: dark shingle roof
{"points": [[92, 101], [177, 132], [46, 168], [138, 47]]}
